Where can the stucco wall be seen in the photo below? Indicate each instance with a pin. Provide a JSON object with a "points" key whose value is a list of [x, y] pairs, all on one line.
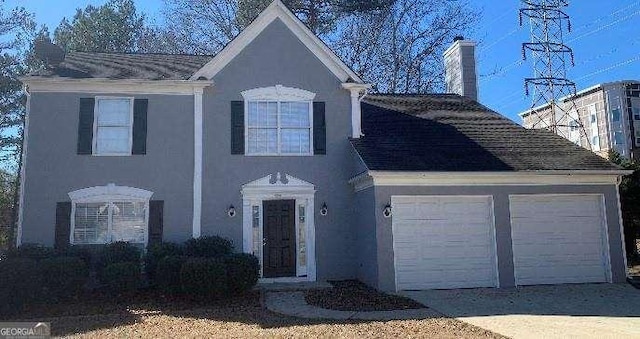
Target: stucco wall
{"points": [[277, 57], [500, 194], [53, 169], [365, 229]]}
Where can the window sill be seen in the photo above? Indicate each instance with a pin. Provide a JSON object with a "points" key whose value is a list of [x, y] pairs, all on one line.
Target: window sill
{"points": [[279, 155]]}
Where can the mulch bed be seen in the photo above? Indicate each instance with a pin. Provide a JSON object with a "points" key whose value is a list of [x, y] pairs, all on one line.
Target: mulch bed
{"points": [[352, 295]]}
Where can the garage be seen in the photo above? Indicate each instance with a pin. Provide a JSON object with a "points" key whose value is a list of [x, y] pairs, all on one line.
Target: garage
{"points": [[443, 242], [559, 239]]}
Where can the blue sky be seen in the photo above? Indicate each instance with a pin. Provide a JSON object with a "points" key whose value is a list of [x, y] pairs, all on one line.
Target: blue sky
{"points": [[605, 40]]}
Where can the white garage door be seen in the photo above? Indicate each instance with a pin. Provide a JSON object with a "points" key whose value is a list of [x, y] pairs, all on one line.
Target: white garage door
{"points": [[443, 242], [558, 239]]}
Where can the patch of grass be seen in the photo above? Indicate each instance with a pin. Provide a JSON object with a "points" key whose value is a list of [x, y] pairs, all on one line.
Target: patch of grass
{"points": [[352, 295]]}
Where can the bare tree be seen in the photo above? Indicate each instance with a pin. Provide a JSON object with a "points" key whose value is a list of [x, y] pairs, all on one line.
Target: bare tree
{"points": [[399, 49], [197, 26], [396, 45]]}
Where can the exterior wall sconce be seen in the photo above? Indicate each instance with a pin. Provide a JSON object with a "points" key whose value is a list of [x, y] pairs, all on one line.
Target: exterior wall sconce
{"points": [[323, 209], [386, 212], [231, 212]]}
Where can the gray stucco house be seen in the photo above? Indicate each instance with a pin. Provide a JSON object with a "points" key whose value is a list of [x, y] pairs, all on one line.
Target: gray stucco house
{"points": [[275, 144]]}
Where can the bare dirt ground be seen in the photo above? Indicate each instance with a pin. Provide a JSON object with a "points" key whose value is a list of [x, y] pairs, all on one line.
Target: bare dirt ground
{"points": [[242, 317]]}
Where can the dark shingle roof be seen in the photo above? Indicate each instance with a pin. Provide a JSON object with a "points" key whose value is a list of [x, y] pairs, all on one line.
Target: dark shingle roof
{"points": [[81, 65], [447, 132]]}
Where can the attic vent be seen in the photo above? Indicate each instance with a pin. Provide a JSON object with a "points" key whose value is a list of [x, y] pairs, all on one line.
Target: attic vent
{"points": [[48, 52]]}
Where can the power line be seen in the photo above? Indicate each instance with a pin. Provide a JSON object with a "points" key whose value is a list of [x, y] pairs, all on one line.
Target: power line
{"points": [[606, 26], [614, 66], [519, 62]]}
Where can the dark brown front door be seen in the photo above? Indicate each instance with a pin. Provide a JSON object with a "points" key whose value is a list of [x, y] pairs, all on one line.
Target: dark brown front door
{"points": [[279, 238]]}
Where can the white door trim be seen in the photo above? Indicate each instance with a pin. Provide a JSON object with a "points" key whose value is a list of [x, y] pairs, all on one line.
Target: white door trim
{"points": [[281, 187], [606, 256]]}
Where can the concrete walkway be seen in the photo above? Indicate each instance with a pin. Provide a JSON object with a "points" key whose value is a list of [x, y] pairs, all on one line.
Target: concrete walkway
{"points": [[562, 311], [293, 304]]}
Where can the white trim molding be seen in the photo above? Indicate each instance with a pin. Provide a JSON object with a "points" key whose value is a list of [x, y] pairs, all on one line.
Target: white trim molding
{"points": [[277, 10], [25, 135], [278, 93], [197, 161], [109, 192], [281, 187], [529, 178], [110, 86], [358, 92]]}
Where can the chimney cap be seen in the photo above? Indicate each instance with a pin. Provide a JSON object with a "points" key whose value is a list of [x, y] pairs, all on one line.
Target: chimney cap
{"points": [[458, 38]]}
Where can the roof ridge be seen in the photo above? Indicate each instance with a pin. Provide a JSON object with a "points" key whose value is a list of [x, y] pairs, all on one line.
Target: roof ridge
{"points": [[141, 53]]}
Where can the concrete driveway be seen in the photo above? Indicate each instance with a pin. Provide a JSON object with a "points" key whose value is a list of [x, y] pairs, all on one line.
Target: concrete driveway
{"points": [[561, 311]]}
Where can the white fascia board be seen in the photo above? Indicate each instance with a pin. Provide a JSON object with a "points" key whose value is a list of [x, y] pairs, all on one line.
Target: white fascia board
{"points": [[529, 178], [105, 86], [277, 10]]}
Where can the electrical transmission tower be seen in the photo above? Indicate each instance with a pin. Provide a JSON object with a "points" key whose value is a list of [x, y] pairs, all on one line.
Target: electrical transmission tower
{"points": [[548, 23]]}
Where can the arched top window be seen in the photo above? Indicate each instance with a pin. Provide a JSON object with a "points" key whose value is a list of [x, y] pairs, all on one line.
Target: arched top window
{"points": [[278, 121], [105, 214]]}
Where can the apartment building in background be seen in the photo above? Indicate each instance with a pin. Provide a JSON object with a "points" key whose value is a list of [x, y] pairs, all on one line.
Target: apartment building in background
{"points": [[610, 116]]}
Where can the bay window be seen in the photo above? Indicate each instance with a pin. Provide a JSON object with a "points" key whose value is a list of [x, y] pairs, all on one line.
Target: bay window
{"points": [[105, 214]]}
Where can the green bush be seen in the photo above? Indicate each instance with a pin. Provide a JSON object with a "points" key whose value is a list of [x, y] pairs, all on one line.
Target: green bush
{"points": [[20, 283], [168, 274], [208, 247], [204, 278], [243, 271], [32, 251], [63, 277], [122, 277], [118, 252], [157, 252], [76, 251]]}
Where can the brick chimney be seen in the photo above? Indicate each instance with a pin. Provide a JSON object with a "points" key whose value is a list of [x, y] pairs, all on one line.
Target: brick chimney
{"points": [[460, 68]]}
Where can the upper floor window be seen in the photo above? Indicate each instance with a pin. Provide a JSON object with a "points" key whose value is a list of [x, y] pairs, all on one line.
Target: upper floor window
{"points": [[615, 115], [279, 121], [113, 126]]}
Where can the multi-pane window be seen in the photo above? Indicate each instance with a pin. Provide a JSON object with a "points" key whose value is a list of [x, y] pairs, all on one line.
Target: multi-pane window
{"points": [[279, 128], [113, 126], [615, 115], [104, 222], [618, 137]]}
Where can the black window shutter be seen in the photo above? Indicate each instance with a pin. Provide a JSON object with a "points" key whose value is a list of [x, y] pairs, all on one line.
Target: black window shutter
{"points": [[85, 126], [319, 129], [139, 145], [237, 127], [63, 225], [156, 212]]}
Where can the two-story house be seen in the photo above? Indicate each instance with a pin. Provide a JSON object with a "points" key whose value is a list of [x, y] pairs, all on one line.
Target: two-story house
{"points": [[275, 144]]}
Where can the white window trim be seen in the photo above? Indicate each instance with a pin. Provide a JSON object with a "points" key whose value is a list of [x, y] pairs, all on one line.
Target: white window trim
{"points": [[94, 142], [285, 187], [109, 194], [277, 94]]}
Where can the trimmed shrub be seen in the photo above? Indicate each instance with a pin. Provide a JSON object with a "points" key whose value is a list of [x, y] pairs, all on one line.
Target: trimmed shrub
{"points": [[32, 251], [122, 277], [118, 252], [76, 251], [63, 277], [157, 252], [208, 247], [204, 277], [243, 271], [168, 274], [20, 283]]}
